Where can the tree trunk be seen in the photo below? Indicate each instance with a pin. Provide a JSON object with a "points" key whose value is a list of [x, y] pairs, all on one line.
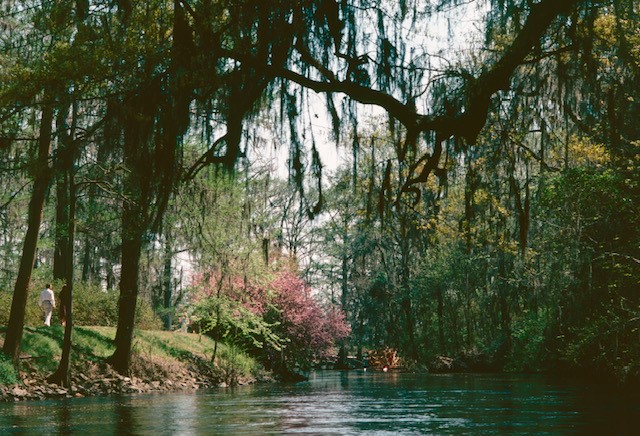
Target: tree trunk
{"points": [[405, 278], [139, 115], [131, 251], [62, 375], [61, 237], [505, 314], [41, 182], [60, 253], [342, 362], [167, 285], [408, 313], [440, 296], [86, 260], [138, 124], [66, 230]]}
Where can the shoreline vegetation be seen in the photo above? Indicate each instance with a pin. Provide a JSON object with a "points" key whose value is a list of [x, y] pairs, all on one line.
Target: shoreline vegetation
{"points": [[162, 361], [169, 361], [175, 361]]}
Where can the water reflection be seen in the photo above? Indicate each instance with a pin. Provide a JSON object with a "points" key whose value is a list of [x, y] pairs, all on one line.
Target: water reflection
{"points": [[123, 416], [346, 403], [64, 419]]}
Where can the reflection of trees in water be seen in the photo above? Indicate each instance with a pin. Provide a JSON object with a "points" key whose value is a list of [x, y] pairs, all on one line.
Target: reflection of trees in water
{"points": [[124, 416], [64, 418]]}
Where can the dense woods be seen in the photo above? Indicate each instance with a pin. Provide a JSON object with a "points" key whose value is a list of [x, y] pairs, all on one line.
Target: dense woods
{"points": [[484, 207]]}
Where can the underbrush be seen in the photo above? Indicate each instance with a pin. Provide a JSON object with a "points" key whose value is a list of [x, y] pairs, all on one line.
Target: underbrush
{"points": [[233, 366], [7, 373], [91, 306]]}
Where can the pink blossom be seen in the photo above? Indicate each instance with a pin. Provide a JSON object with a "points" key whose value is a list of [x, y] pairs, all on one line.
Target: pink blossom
{"points": [[286, 302]]}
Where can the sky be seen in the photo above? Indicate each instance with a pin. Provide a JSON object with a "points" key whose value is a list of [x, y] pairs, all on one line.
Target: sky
{"points": [[447, 36]]}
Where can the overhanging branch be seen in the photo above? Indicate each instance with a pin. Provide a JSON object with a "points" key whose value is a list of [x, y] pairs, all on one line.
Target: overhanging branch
{"points": [[466, 124]]}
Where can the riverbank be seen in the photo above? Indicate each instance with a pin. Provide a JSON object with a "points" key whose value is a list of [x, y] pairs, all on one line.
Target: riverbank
{"points": [[161, 361]]}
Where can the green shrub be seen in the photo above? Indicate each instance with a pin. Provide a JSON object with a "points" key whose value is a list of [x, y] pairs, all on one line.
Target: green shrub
{"points": [[7, 372], [146, 317], [231, 364], [605, 344], [93, 306], [5, 306], [528, 343]]}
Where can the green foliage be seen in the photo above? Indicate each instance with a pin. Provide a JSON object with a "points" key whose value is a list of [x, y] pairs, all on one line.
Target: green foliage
{"points": [[91, 306], [7, 371], [528, 353], [232, 364], [5, 306], [606, 342], [226, 319]]}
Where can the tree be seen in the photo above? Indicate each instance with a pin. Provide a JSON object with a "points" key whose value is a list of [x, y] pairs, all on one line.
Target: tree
{"points": [[162, 71], [42, 177]]}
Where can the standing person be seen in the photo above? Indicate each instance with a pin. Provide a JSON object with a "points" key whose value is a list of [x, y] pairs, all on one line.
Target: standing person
{"points": [[63, 299], [47, 302]]}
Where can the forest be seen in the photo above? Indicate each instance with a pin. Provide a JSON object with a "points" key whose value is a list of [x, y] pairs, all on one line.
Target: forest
{"points": [[173, 162]]}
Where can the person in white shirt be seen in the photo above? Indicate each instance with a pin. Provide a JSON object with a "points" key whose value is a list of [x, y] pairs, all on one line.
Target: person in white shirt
{"points": [[47, 302]]}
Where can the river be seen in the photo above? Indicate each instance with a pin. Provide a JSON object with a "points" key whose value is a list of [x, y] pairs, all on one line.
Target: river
{"points": [[343, 403]]}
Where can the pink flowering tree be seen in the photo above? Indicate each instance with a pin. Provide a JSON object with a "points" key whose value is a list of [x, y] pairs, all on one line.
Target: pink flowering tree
{"points": [[310, 329], [228, 310], [279, 320]]}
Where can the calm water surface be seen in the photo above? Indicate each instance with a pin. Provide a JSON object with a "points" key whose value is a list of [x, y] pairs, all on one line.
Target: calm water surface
{"points": [[343, 403]]}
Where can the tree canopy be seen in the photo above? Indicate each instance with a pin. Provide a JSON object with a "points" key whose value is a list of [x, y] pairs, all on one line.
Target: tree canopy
{"points": [[483, 153]]}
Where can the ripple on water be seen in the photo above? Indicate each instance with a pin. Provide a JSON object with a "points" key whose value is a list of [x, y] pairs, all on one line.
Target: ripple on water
{"points": [[345, 403]]}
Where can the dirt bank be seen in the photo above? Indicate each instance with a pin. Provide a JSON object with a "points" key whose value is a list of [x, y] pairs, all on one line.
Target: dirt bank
{"points": [[162, 361]]}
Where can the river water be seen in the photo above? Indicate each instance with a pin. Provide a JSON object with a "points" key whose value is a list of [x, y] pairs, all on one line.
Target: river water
{"points": [[343, 403]]}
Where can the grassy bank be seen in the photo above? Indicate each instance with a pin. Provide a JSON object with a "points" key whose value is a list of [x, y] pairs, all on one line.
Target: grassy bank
{"points": [[161, 361]]}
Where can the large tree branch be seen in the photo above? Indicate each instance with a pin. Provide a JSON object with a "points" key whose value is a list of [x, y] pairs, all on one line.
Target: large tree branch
{"points": [[207, 158], [498, 76], [402, 112], [466, 124]]}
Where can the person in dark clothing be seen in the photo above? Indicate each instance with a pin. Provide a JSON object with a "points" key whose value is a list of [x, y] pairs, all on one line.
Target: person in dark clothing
{"points": [[63, 300]]}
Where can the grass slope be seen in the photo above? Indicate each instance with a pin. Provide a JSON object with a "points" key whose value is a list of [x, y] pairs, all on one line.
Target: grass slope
{"points": [[157, 355]]}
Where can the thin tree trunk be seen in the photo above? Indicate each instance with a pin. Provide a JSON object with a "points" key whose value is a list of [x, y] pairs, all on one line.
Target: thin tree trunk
{"points": [[405, 278], [86, 260], [505, 315], [342, 362], [167, 294], [440, 297], [61, 237], [62, 375], [41, 182]]}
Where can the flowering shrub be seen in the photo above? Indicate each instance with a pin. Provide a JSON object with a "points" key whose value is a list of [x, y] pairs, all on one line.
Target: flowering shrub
{"points": [[280, 320], [230, 311], [309, 329]]}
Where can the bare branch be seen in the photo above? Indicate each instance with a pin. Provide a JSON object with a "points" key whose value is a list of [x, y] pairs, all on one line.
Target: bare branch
{"points": [[207, 158]]}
